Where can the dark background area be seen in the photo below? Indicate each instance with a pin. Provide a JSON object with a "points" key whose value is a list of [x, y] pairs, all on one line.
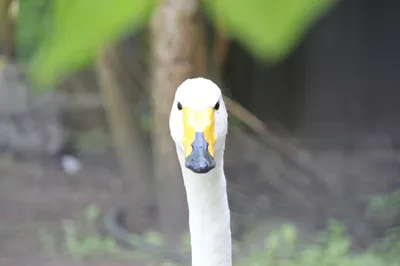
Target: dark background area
{"points": [[339, 87]]}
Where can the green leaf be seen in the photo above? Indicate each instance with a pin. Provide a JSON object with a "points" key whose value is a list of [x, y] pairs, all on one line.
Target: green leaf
{"points": [[272, 242], [91, 213], [33, 24], [289, 234], [269, 28], [80, 28]]}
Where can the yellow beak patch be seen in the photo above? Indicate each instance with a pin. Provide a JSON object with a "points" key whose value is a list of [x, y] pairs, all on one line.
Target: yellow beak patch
{"points": [[195, 121]]}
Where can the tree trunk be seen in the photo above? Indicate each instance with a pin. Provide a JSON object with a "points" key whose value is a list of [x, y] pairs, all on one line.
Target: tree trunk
{"points": [[218, 56], [6, 29], [178, 51], [130, 148]]}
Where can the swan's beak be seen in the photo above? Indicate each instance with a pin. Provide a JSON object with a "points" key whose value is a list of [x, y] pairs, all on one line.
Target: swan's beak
{"points": [[199, 139]]}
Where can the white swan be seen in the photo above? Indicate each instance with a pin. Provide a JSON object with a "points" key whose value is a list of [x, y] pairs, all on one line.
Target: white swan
{"points": [[199, 125]]}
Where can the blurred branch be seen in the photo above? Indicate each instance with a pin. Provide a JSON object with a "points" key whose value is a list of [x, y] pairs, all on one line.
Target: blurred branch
{"points": [[6, 28], [294, 155], [13, 9], [221, 45], [124, 126], [219, 53]]}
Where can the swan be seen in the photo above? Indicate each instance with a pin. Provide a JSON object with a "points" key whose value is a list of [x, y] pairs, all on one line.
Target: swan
{"points": [[198, 126]]}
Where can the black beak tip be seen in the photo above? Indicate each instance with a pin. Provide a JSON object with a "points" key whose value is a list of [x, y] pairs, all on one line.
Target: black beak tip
{"points": [[200, 167]]}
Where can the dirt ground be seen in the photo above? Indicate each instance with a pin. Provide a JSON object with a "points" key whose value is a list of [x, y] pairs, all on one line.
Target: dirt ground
{"points": [[34, 196]]}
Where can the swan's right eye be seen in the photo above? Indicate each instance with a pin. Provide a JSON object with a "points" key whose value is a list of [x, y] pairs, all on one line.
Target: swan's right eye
{"points": [[216, 107], [179, 106]]}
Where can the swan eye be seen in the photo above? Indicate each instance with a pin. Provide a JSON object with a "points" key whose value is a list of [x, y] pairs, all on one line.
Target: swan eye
{"points": [[216, 107], [179, 106]]}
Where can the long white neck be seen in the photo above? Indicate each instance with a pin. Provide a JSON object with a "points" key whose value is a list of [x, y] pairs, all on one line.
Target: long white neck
{"points": [[209, 217]]}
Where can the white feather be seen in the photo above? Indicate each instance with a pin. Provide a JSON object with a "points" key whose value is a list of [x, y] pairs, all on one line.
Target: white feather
{"points": [[209, 215]]}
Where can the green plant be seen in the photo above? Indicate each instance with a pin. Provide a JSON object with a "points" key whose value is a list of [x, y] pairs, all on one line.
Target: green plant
{"points": [[385, 206], [32, 25], [330, 248], [81, 241], [268, 28], [281, 248], [88, 26]]}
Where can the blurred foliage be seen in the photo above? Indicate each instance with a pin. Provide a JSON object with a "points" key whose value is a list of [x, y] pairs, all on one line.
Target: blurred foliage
{"points": [[330, 248], [33, 23], [80, 29], [282, 247], [269, 28], [81, 239], [385, 206]]}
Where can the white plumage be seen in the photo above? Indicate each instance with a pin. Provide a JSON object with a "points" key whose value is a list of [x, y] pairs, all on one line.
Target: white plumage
{"points": [[209, 216]]}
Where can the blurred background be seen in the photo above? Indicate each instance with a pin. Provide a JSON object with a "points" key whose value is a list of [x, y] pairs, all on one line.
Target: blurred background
{"points": [[89, 173]]}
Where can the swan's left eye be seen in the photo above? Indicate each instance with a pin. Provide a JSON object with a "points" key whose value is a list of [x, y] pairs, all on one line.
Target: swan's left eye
{"points": [[216, 107]]}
